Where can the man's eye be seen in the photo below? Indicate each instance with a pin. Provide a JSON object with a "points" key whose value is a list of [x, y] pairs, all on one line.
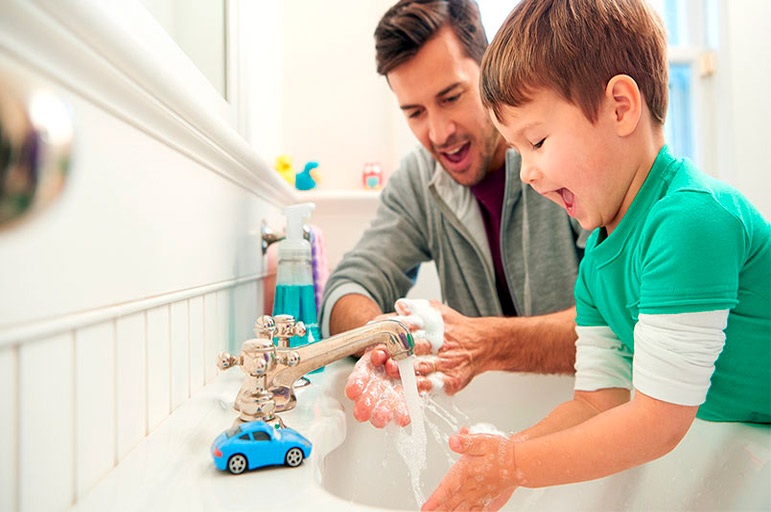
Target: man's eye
{"points": [[538, 144], [452, 99], [414, 114]]}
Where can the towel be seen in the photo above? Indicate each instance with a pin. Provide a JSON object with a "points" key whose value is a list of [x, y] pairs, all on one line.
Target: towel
{"points": [[319, 263]]}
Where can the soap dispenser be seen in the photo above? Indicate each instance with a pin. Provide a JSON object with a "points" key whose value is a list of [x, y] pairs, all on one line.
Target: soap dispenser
{"points": [[295, 294]]}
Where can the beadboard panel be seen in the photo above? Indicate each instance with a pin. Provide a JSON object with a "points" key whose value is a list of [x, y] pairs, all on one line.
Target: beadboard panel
{"points": [[180, 354], [104, 387], [9, 454], [46, 436], [197, 351], [214, 343], [226, 318], [158, 366], [95, 405], [131, 383]]}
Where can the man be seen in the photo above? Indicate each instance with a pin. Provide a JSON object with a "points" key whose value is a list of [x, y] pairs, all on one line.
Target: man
{"points": [[507, 258]]}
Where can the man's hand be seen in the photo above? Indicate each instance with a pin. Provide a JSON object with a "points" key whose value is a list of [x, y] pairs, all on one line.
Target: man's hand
{"points": [[459, 359]]}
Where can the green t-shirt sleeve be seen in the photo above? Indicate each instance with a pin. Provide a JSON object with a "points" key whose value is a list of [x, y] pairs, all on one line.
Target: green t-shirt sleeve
{"points": [[693, 254]]}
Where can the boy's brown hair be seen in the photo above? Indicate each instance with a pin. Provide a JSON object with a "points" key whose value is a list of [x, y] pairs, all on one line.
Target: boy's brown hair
{"points": [[574, 47], [409, 24]]}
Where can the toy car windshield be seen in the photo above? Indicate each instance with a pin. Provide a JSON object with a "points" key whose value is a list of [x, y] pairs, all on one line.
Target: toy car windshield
{"points": [[233, 432]]}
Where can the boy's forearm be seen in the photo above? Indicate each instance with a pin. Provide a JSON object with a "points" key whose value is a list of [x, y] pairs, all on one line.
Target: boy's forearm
{"points": [[571, 449], [585, 405]]}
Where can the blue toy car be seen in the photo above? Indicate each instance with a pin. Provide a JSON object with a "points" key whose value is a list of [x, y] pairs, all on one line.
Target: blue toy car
{"points": [[256, 444]]}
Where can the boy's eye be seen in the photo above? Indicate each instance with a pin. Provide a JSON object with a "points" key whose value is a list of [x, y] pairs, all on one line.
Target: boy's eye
{"points": [[538, 144]]}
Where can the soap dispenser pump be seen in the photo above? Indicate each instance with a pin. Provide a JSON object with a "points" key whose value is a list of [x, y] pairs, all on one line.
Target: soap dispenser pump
{"points": [[295, 294]]}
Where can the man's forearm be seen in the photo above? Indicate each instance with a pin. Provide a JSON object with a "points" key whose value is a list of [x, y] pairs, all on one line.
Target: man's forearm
{"points": [[352, 311], [540, 344]]}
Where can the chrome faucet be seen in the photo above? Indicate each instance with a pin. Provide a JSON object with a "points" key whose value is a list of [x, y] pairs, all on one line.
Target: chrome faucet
{"points": [[271, 371]]}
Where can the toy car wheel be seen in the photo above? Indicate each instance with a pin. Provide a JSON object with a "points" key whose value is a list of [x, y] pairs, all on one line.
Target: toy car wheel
{"points": [[294, 457], [237, 464]]}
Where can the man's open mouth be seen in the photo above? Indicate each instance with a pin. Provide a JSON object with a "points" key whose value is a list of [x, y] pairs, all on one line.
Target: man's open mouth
{"points": [[457, 154]]}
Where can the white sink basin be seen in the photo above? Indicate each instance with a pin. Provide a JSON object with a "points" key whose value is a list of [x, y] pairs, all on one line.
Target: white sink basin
{"points": [[716, 467]]}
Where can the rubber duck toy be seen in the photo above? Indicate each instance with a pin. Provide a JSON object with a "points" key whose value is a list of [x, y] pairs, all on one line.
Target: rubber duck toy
{"points": [[284, 167], [306, 179]]}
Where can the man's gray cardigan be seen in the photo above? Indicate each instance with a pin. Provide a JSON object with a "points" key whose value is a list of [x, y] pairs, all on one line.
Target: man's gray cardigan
{"points": [[425, 215]]}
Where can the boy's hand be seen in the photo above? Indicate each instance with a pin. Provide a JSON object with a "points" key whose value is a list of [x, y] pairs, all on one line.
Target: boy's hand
{"points": [[483, 479], [378, 397]]}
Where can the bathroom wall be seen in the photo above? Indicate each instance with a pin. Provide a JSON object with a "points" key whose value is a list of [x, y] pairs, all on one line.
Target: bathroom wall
{"points": [[117, 298], [355, 117], [326, 52], [743, 106]]}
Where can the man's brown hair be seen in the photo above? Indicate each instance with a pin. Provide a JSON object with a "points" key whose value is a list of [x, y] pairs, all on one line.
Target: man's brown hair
{"points": [[409, 24], [574, 47]]}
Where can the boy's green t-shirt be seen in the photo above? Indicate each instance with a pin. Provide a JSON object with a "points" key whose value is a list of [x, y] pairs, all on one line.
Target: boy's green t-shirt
{"points": [[689, 243]]}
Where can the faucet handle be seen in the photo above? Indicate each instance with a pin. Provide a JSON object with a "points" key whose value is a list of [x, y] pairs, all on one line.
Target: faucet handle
{"points": [[265, 327], [226, 361], [286, 327], [288, 357]]}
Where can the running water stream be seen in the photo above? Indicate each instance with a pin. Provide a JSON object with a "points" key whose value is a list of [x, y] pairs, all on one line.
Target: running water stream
{"points": [[412, 448]]}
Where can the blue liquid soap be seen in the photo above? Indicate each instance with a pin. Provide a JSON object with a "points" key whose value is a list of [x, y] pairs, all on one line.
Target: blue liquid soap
{"points": [[300, 302]]}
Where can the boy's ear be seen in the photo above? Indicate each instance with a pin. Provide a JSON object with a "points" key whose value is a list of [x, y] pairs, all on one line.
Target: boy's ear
{"points": [[626, 99]]}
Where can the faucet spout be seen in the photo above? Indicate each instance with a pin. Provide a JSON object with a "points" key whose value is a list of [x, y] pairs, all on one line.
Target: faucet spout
{"points": [[392, 333]]}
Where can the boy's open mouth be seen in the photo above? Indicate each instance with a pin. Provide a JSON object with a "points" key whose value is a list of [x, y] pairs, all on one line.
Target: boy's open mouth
{"points": [[568, 199]]}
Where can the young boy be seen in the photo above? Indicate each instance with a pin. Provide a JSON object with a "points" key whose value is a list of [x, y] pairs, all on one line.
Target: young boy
{"points": [[673, 294]]}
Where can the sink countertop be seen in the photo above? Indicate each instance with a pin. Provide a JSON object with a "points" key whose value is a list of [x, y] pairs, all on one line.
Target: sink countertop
{"points": [[172, 468]]}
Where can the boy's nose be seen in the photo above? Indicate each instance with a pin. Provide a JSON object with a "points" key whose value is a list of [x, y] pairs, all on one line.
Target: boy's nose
{"points": [[528, 173]]}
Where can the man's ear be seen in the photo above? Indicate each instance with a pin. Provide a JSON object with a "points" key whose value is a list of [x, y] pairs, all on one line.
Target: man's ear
{"points": [[626, 100]]}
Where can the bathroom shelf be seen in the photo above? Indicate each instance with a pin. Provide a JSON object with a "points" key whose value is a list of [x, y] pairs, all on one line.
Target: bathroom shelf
{"points": [[336, 195]]}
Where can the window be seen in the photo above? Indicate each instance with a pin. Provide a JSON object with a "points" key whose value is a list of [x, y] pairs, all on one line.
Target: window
{"points": [[261, 436], [688, 33]]}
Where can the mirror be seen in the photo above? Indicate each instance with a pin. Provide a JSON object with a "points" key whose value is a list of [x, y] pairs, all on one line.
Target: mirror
{"points": [[199, 28], [35, 143]]}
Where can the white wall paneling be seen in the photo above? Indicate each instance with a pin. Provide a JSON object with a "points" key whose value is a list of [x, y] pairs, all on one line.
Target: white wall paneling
{"points": [[226, 319], [46, 436], [95, 404], [180, 353], [103, 387], [158, 366], [117, 299], [9, 434], [161, 191], [197, 350], [214, 342], [131, 383]]}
